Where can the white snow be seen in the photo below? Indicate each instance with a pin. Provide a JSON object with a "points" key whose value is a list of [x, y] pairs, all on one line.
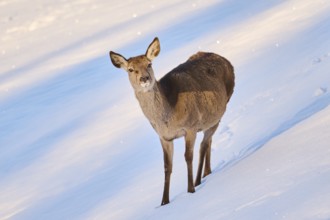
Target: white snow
{"points": [[74, 143]]}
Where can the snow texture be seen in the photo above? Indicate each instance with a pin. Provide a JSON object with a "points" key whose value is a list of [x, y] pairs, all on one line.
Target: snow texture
{"points": [[74, 143]]}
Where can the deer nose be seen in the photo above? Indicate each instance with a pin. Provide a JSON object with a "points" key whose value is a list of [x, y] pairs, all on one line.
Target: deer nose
{"points": [[144, 78]]}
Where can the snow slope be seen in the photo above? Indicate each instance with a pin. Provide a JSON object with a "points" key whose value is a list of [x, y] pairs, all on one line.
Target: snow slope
{"points": [[287, 179], [75, 145]]}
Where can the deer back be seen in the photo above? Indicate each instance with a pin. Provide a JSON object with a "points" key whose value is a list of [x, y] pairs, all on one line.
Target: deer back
{"points": [[200, 88]]}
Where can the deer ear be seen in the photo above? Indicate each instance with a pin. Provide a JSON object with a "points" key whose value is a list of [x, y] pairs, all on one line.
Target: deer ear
{"points": [[153, 49], [118, 60]]}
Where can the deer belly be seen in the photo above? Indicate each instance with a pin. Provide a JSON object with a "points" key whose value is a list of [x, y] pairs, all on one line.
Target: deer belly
{"points": [[168, 132], [199, 111]]}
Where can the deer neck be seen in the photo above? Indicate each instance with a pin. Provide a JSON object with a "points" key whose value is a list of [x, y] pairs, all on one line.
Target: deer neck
{"points": [[154, 104]]}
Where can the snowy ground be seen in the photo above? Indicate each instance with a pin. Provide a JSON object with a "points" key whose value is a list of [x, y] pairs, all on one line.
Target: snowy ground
{"points": [[75, 145]]}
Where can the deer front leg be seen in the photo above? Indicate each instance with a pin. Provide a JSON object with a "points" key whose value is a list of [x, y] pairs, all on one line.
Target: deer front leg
{"points": [[168, 158], [190, 142]]}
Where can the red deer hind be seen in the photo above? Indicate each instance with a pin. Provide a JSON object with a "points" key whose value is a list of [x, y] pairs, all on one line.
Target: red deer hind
{"points": [[190, 98]]}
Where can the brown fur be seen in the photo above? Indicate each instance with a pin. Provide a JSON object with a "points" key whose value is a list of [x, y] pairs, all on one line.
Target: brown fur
{"points": [[190, 98]]}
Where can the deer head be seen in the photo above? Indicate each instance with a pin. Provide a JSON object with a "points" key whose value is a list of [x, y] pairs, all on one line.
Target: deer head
{"points": [[139, 68]]}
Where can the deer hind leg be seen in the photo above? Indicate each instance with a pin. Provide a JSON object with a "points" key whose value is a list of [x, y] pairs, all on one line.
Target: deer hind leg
{"points": [[205, 154], [168, 159], [190, 142], [207, 167]]}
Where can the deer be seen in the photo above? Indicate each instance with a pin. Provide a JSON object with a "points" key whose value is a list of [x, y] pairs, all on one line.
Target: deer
{"points": [[190, 98]]}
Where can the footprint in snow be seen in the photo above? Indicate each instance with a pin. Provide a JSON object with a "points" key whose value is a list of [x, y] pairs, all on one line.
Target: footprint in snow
{"points": [[317, 60], [320, 91]]}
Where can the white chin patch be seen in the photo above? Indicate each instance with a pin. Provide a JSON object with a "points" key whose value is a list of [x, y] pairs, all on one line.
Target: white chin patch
{"points": [[145, 84]]}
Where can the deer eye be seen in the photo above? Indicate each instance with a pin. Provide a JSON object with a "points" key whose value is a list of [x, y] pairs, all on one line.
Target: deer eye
{"points": [[149, 65], [130, 69]]}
